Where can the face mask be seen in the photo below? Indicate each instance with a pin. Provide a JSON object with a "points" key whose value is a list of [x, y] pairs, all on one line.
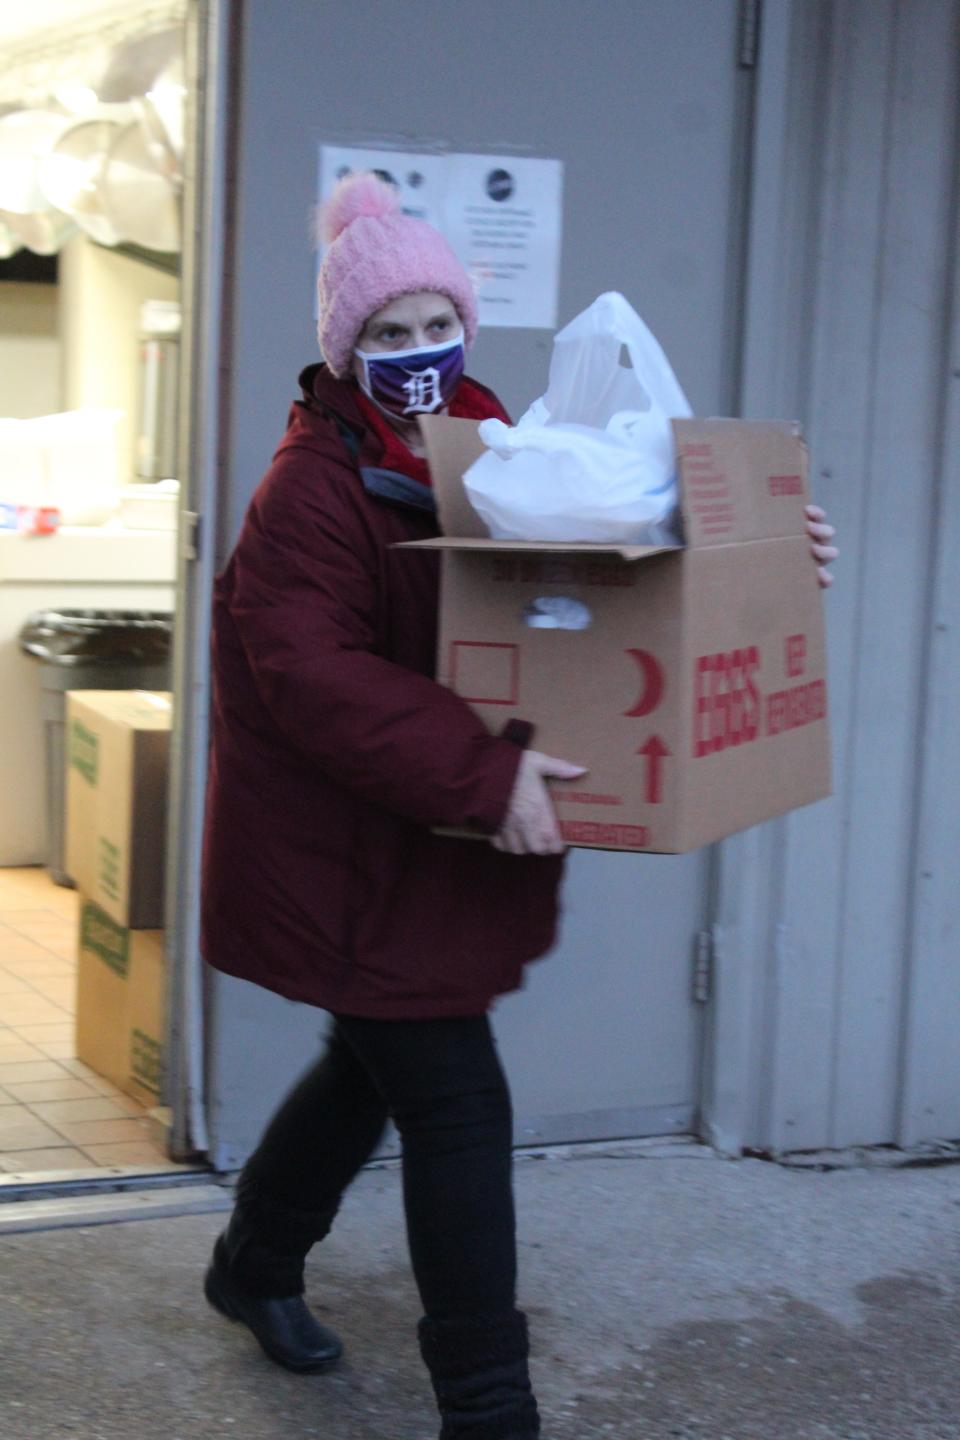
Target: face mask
{"points": [[413, 382]]}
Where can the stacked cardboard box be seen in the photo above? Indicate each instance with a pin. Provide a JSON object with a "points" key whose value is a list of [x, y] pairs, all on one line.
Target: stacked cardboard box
{"points": [[118, 756]]}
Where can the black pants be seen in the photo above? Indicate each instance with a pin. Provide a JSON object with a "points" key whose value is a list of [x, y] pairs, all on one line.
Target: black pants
{"points": [[442, 1084]]}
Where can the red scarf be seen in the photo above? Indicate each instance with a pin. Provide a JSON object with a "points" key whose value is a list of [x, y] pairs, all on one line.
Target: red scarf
{"points": [[470, 402]]}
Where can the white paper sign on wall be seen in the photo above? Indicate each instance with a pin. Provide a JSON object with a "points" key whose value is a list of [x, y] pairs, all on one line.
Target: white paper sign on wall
{"points": [[420, 178], [502, 215]]}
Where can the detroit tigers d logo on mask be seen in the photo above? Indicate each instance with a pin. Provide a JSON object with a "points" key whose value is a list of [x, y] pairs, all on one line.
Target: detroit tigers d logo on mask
{"points": [[413, 382]]}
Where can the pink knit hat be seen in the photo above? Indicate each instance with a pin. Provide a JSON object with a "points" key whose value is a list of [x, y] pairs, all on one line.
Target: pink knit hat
{"points": [[377, 254]]}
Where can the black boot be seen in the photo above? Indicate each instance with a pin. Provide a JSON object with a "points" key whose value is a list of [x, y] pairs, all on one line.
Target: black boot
{"points": [[480, 1376], [283, 1325]]}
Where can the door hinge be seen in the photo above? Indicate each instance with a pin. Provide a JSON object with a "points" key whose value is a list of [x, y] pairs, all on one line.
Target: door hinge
{"points": [[703, 967], [190, 544], [748, 34]]}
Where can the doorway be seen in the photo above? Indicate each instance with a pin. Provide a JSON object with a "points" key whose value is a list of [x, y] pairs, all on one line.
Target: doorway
{"points": [[648, 109], [91, 241]]}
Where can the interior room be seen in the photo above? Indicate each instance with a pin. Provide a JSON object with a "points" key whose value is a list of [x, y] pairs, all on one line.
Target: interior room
{"points": [[92, 121]]}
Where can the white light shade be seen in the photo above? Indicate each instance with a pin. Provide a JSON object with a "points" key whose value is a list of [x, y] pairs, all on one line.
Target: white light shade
{"points": [[44, 233], [70, 176], [26, 138]]}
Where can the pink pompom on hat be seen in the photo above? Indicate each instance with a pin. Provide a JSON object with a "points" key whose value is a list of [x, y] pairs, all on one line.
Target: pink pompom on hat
{"points": [[377, 254]]}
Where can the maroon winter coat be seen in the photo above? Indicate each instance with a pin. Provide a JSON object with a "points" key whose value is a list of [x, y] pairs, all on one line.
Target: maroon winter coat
{"points": [[334, 750]]}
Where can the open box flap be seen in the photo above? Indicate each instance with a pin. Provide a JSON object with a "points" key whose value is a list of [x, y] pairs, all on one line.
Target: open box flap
{"points": [[554, 547], [741, 480], [452, 446]]}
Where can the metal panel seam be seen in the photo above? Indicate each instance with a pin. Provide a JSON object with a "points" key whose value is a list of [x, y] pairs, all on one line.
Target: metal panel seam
{"points": [[733, 868], [864, 510], [946, 425]]}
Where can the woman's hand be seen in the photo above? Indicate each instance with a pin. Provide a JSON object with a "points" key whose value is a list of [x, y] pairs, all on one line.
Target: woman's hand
{"points": [[821, 533], [531, 826]]}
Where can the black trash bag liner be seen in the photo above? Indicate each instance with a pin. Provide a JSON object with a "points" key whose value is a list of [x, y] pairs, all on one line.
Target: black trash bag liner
{"points": [[106, 637]]}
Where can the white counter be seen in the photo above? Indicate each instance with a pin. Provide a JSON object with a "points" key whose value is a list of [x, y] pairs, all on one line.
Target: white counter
{"points": [[78, 568], [80, 554]]}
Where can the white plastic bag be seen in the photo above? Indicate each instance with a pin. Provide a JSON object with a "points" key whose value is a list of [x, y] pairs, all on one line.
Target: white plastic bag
{"points": [[594, 459]]}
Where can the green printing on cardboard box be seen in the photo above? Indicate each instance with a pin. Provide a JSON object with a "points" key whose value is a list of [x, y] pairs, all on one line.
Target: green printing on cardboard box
{"points": [[83, 751], [105, 938], [146, 1060], [109, 869]]}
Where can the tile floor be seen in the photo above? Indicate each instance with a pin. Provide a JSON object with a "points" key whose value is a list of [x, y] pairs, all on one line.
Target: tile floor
{"points": [[55, 1113]]}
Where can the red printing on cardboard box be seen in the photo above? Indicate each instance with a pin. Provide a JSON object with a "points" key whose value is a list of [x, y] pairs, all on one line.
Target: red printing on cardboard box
{"points": [[548, 570], [654, 752], [654, 681], [719, 509], [729, 708], [785, 485], [710, 485], [795, 655], [592, 832], [464, 664], [586, 797], [726, 706], [708, 490], [799, 705]]}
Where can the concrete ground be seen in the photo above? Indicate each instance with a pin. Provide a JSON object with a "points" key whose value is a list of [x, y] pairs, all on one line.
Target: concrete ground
{"points": [[671, 1294]]}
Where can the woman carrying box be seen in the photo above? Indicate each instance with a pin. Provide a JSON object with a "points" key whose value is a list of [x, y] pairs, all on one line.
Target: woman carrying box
{"points": [[334, 754]]}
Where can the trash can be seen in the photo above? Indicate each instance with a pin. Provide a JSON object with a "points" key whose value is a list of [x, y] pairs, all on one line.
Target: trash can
{"points": [[89, 650]]}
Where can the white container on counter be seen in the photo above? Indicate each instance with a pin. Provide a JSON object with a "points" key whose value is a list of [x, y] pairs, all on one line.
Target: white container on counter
{"points": [[70, 461], [150, 505], [22, 465]]}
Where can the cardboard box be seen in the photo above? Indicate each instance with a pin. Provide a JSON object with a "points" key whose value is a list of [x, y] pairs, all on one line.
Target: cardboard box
{"points": [[120, 1014], [118, 744], [146, 1019], [695, 691], [103, 970]]}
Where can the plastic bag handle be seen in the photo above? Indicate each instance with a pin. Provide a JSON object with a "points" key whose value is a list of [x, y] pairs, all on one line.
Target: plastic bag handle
{"points": [[654, 370], [601, 332]]}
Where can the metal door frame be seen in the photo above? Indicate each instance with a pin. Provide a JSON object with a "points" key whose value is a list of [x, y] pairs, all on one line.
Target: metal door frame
{"points": [[212, 32], [747, 939], [739, 892]]}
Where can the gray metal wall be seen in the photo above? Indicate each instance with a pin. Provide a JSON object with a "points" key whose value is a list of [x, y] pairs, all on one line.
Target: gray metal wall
{"points": [[838, 1007]]}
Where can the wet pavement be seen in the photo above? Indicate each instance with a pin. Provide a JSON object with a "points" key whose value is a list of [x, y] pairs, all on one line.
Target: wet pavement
{"points": [[671, 1293]]}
